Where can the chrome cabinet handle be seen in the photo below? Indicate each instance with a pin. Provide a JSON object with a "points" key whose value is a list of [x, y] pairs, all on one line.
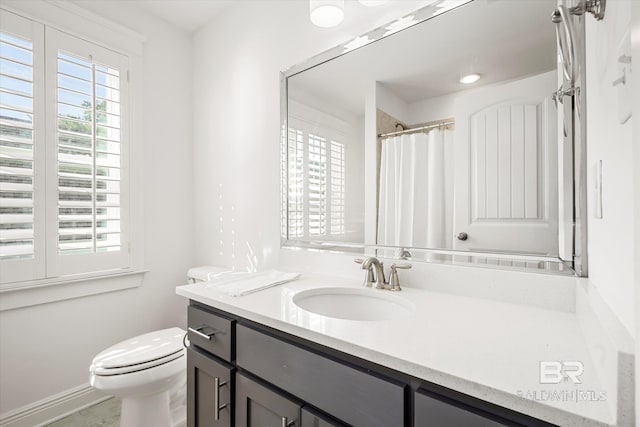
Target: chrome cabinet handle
{"points": [[462, 236], [216, 398], [202, 334], [286, 423]]}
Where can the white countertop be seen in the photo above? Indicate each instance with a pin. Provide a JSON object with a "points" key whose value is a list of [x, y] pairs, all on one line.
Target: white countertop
{"points": [[486, 349]]}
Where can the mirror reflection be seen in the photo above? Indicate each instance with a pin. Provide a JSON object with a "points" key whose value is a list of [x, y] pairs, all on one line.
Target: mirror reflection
{"points": [[441, 136]]}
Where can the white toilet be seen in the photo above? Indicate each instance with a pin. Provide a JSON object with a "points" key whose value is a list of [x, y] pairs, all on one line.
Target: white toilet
{"points": [[148, 372]]}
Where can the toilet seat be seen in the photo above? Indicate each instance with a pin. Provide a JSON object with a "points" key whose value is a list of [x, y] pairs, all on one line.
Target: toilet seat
{"points": [[137, 367], [139, 353]]}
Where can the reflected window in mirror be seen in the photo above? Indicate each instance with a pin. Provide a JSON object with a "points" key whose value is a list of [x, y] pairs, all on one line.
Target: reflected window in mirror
{"points": [[318, 148]]}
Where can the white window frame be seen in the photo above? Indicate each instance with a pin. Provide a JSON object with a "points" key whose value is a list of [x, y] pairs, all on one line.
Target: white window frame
{"points": [[61, 279]]}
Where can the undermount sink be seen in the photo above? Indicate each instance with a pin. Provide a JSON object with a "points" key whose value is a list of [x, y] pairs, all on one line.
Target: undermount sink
{"points": [[354, 303]]}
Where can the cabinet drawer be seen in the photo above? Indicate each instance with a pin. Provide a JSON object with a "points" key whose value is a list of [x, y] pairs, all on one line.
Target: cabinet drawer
{"points": [[430, 410], [356, 397], [212, 333]]}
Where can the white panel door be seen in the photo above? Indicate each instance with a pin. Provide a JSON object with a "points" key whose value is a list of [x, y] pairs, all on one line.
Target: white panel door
{"points": [[506, 195]]}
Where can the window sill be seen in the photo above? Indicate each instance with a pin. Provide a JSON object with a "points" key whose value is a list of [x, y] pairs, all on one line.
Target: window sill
{"points": [[59, 289]]}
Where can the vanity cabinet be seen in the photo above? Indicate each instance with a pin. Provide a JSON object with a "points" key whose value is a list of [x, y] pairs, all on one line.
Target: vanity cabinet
{"points": [[345, 392], [311, 418], [432, 410], [210, 385], [210, 373], [261, 406], [261, 377]]}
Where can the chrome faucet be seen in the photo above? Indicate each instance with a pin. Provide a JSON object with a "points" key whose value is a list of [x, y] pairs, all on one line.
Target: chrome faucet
{"points": [[375, 274]]}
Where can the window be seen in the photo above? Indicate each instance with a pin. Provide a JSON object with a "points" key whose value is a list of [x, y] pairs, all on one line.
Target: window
{"points": [[64, 206], [337, 166], [317, 185], [316, 182]]}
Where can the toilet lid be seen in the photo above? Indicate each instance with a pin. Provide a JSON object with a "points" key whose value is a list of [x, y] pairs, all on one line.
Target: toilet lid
{"points": [[141, 352]]}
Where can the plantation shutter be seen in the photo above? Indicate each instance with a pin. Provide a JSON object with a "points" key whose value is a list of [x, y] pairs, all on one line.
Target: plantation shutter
{"points": [[337, 189], [317, 188], [296, 210], [64, 154], [21, 149], [90, 87]]}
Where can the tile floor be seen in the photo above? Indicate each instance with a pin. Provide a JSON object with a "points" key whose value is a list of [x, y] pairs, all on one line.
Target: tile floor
{"points": [[104, 414]]}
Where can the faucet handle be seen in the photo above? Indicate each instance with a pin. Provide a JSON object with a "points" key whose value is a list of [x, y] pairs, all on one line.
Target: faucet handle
{"points": [[358, 260], [394, 282], [402, 266]]}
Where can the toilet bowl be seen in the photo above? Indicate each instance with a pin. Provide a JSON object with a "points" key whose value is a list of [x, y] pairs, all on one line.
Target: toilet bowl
{"points": [[148, 373]]}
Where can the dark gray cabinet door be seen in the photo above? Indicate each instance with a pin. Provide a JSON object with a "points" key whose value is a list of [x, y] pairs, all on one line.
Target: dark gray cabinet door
{"points": [[311, 418], [259, 406], [209, 391], [431, 411]]}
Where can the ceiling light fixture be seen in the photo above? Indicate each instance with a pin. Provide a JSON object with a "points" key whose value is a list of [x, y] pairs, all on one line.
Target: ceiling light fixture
{"points": [[469, 78], [326, 13], [372, 3]]}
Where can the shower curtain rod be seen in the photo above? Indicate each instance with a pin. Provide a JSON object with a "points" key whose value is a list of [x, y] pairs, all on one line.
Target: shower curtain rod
{"points": [[401, 132]]}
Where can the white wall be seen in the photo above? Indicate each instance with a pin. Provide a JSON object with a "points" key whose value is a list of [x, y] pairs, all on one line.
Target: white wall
{"points": [[46, 349], [432, 109], [237, 61], [610, 239], [635, 42], [392, 104]]}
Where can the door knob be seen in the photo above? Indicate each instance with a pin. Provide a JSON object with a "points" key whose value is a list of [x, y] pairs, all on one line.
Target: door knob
{"points": [[462, 236]]}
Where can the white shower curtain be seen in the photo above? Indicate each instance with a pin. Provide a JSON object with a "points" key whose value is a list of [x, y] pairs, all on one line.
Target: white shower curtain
{"points": [[416, 201]]}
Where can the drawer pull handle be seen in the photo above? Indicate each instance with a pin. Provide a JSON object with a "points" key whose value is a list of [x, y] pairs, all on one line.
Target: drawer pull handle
{"points": [[202, 334], [216, 398], [286, 423]]}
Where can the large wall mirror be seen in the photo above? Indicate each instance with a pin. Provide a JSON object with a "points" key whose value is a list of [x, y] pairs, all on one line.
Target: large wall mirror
{"points": [[387, 152]]}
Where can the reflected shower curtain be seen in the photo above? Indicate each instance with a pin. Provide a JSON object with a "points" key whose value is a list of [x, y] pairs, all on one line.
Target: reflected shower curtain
{"points": [[416, 182]]}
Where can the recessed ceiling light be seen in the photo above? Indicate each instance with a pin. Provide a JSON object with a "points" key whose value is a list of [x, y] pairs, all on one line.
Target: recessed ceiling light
{"points": [[469, 78], [326, 13], [372, 3]]}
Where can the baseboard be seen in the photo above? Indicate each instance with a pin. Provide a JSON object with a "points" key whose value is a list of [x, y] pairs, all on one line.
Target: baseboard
{"points": [[52, 408]]}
